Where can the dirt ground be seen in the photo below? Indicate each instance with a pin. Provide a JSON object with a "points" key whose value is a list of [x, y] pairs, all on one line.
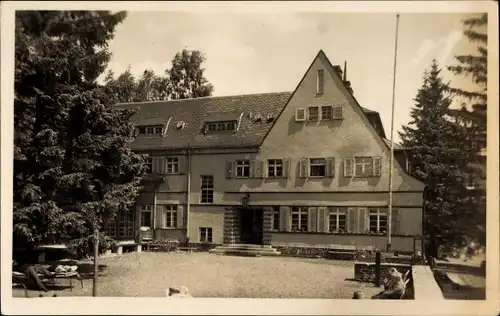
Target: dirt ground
{"points": [[149, 274]]}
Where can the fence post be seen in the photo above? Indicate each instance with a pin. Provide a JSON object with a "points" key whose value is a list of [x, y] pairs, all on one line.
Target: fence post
{"points": [[377, 269]]}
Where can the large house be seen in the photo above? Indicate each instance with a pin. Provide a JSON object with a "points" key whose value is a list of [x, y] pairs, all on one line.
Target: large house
{"points": [[308, 168]]}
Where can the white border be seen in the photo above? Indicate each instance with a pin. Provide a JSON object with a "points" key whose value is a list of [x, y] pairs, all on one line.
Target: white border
{"points": [[128, 306]]}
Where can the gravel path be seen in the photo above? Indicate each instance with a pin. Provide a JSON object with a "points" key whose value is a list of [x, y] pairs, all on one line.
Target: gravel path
{"points": [[148, 274]]}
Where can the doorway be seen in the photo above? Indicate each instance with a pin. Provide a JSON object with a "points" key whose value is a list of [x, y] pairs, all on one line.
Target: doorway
{"points": [[252, 222]]}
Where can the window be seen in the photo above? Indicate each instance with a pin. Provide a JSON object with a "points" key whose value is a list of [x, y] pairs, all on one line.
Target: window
{"points": [[313, 112], [207, 189], [274, 168], [300, 219], [126, 223], [158, 130], [150, 130], [145, 219], [326, 113], [378, 221], [172, 165], [363, 166], [321, 81], [300, 115], [276, 218], [111, 228], [317, 167], [206, 234], [337, 220], [149, 165], [170, 216], [220, 126], [242, 168]]}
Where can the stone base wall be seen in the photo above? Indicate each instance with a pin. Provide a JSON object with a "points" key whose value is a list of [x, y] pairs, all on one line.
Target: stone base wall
{"points": [[365, 271]]}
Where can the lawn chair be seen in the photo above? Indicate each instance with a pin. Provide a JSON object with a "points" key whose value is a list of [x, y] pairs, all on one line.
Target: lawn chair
{"points": [[19, 278], [406, 279]]}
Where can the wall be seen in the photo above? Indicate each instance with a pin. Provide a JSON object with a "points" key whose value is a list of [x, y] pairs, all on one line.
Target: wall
{"points": [[206, 216]]}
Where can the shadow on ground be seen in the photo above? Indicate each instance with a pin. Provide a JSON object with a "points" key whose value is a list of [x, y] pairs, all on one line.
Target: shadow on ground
{"points": [[456, 291], [86, 270]]}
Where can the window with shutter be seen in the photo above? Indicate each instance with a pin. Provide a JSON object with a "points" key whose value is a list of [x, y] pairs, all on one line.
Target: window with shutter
{"points": [[313, 113], [330, 167], [338, 112], [300, 115], [351, 218], [229, 169], [326, 112], [303, 168], [348, 167], [377, 166]]}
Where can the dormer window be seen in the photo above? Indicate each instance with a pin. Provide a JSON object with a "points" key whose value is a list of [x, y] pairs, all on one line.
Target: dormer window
{"points": [[151, 130], [214, 127]]}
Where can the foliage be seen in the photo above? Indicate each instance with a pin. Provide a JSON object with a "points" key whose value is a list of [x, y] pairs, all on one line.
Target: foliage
{"points": [[82, 248], [440, 156], [185, 79], [72, 168]]}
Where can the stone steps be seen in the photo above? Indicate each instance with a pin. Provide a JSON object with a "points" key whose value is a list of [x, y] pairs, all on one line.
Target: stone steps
{"points": [[245, 250]]}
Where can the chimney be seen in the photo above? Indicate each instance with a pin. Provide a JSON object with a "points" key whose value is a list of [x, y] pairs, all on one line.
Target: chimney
{"points": [[338, 70], [345, 71]]}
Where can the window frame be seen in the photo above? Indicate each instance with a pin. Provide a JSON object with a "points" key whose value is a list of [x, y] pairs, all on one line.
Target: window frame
{"points": [[207, 189], [172, 162], [378, 214], [364, 173], [303, 218], [311, 165], [145, 209], [325, 117], [242, 164], [275, 165], [170, 209], [148, 163], [336, 213], [317, 114], [208, 232], [222, 126]]}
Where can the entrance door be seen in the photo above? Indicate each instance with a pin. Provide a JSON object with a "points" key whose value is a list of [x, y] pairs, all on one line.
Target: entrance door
{"points": [[251, 226]]}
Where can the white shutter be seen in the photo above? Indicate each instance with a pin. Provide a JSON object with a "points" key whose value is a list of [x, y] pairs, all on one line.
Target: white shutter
{"points": [[311, 220], [286, 168], [330, 167], [303, 168], [377, 166], [351, 220], [180, 217], [362, 216]]}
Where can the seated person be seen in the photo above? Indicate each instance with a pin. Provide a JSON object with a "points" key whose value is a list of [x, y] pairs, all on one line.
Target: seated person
{"points": [[395, 287]]}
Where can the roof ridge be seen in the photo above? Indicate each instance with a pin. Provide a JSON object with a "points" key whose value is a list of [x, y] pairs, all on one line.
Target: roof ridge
{"points": [[203, 98]]}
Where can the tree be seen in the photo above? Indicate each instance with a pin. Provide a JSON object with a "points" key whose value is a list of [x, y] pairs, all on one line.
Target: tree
{"points": [[186, 76], [440, 154], [72, 166]]}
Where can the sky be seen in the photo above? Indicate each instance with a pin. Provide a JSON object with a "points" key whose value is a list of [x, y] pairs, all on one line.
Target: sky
{"points": [[269, 52]]}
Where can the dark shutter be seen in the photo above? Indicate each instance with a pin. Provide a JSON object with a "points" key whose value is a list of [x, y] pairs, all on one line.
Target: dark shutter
{"points": [[229, 169], [330, 167], [348, 167]]}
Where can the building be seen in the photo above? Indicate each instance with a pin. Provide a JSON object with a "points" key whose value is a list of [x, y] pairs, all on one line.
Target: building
{"points": [[308, 168]]}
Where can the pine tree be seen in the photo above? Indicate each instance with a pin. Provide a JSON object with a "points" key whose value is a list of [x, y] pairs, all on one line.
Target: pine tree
{"points": [[72, 167], [440, 151]]}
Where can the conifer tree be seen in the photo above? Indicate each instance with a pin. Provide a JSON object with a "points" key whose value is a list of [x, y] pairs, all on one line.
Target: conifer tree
{"points": [[440, 152], [72, 167]]}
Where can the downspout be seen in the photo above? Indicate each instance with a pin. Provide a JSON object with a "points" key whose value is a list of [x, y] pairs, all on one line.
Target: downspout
{"points": [[154, 211], [423, 224], [188, 195]]}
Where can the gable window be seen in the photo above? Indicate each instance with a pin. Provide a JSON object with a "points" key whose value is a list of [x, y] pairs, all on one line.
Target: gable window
{"points": [[158, 130], [172, 165], [337, 220], [276, 218], [300, 217], [243, 168], [378, 221], [363, 166], [274, 168], [170, 216], [326, 112], [145, 217], [207, 189], [313, 113], [317, 167], [300, 115], [320, 81], [220, 126], [206, 234], [149, 165]]}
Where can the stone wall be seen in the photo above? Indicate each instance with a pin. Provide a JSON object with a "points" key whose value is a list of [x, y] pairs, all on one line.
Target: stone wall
{"points": [[365, 271]]}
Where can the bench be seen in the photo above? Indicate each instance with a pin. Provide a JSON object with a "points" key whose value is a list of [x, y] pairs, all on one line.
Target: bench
{"points": [[342, 255], [187, 249]]}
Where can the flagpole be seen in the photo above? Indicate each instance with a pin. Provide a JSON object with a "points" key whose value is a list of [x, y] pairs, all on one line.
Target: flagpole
{"points": [[391, 159]]}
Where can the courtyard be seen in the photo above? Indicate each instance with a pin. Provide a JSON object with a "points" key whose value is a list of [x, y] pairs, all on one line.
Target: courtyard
{"points": [[148, 274]]}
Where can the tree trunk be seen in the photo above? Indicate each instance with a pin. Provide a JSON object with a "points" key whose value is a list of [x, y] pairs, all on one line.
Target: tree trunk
{"points": [[96, 263]]}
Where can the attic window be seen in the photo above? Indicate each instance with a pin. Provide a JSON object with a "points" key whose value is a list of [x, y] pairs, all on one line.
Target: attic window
{"points": [[320, 81], [220, 126], [151, 130]]}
